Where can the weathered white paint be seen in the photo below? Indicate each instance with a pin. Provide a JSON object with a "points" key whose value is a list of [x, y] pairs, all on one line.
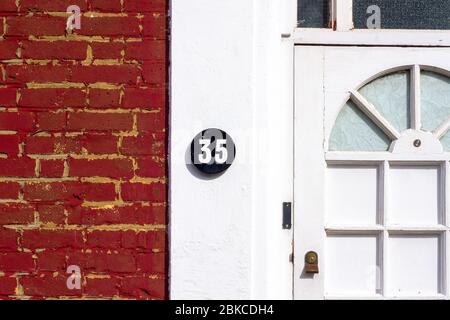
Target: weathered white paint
{"points": [[231, 69], [344, 14]]}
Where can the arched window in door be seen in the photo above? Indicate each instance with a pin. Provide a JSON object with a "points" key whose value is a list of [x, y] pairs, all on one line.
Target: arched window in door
{"points": [[384, 114], [387, 187]]}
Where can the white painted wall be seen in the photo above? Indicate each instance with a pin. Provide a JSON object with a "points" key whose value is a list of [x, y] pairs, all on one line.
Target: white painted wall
{"points": [[231, 69]]}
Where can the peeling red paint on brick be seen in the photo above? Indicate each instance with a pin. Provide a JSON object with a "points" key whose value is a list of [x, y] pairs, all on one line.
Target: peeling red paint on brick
{"points": [[83, 132]]}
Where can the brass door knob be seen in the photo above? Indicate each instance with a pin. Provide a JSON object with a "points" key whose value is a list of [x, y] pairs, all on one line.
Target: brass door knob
{"points": [[311, 262]]}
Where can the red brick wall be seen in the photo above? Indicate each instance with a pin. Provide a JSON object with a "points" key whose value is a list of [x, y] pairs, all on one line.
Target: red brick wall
{"points": [[83, 148]]}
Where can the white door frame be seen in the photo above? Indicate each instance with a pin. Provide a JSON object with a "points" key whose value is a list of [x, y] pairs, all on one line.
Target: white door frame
{"points": [[329, 83]]}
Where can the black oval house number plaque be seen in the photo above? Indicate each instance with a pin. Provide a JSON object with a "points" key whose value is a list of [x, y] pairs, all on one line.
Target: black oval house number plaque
{"points": [[212, 151]]}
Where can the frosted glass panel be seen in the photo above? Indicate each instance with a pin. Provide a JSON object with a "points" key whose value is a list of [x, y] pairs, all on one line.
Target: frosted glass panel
{"points": [[313, 13], [414, 265], [414, 195], [390, 96], [435, 93], [354, 131], [352, 266], [352, 195], [404, 14]]}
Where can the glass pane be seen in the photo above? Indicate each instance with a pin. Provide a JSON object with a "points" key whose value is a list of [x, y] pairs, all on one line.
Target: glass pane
{"points": [[313, 13], [343, 206], [414, 265], [352, 265], [354, 131], [402, 14], [414, 195], [435, 95], [390, 96]]}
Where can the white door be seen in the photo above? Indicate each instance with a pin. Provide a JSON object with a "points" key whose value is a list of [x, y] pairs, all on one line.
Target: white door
{"points": [[372, 172]]}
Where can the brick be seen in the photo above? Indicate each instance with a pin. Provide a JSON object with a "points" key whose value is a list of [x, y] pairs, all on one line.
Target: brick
{"points": [[150, 168], [151, 262], [144, 5], [7, 97], [144, 240], [16, 262], [9, 190], [21, 167], [7, 286], [100, 143], [9, 144], [36, 73], [144, 98], [52, 239], [154, 73], [51, 121], [146, 50], [106, 5], [132, 214], [37, 26], [52, 145], [53, 191], [154, 25], [99, 191], [47, 285], [100, 121], [52, 98], [118, 74], [51, 260], [16, 213], [8, 239], [98, 261], [110, 26], [51, 168], [8, 6], [151, 122], [104, 239], [71, 191], [8, 49], [22, 121], [148, 240], [117, 168], [107, 50], [144, 144], [144, 192], [102, 287], [101, 98], [51, 5], [51, 214], [143, 287], [61, 50]]}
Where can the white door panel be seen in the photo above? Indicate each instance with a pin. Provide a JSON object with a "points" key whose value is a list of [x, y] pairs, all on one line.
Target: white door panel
{"points": [[372, 172]]}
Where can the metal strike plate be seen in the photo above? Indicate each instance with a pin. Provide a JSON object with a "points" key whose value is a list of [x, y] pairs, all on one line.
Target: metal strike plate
{"points": [[287, 215], [311, 262]]}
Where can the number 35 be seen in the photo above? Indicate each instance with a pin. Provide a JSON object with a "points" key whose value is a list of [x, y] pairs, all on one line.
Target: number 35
{"points": [[221, 152]]}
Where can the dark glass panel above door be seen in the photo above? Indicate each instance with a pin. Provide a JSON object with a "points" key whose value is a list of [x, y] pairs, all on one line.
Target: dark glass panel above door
{"points": [[403, 14], [313, 13]]}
